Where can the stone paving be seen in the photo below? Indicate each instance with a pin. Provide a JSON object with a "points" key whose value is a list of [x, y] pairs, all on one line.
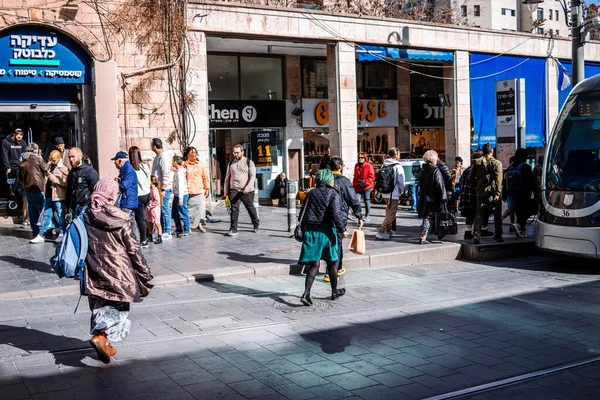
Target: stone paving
{"points": [[405, 332], [24, 269]]}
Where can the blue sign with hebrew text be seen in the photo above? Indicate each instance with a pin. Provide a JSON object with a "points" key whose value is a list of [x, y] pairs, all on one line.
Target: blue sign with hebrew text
{"points": [[36, 54]]}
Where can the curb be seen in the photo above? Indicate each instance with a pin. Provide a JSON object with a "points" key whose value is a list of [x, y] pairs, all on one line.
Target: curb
{"points": [[382, 258]]}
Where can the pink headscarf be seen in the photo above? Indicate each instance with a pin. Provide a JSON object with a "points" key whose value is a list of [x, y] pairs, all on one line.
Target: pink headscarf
{"points": [[105, 190]]}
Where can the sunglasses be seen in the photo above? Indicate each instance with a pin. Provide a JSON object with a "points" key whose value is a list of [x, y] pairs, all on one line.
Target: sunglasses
{"points": [[361, 158]]}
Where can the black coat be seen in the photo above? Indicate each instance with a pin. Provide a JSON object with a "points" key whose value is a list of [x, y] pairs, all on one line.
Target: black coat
{"points": [[446, 175], [80, 185], [279, 184], [433, 190], [349, 199], [322, 207], [11, 152]]}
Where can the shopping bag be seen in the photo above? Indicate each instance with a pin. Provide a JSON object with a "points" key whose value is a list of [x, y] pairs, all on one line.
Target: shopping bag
{"points": [[445, 222], [357, 243]]}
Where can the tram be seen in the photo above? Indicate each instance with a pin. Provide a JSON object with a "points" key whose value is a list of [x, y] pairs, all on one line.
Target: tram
{"points": [[569, 217]]}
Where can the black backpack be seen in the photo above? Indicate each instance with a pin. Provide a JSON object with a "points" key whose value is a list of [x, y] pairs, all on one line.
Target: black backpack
{"points": [[386, 180], [514, 179]]}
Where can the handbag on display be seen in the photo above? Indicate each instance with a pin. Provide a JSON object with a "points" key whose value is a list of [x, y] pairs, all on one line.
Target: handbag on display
{"points": [[357, 242]]}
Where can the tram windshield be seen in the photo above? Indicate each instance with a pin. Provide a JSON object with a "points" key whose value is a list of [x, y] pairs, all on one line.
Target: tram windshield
{"points": [[574, 151]]}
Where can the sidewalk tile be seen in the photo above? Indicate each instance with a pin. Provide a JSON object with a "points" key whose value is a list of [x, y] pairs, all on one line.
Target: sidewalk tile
{"points": [[390, 379], [352, 381], [252, 388], [326, 368], [330, 391], [209, 390], [294, 392], [306, 379], [230, 375], [379, 392]]}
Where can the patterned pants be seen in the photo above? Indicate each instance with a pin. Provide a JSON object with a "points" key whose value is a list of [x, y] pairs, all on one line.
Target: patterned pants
{"points": [[110, 316]]}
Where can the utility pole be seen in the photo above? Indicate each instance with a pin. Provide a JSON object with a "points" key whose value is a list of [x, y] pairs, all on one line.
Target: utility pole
{"points": [[577, 53]]}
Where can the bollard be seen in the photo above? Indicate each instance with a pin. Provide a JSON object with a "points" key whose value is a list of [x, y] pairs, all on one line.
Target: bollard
{"points": [[256, 203], [292, 188]]}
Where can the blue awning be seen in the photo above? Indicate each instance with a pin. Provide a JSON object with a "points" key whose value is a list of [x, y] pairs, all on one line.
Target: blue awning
{"points": [[374, 53]]}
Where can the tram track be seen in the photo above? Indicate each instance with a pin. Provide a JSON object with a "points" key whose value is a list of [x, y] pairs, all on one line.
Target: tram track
{"points": [[517, 379]]}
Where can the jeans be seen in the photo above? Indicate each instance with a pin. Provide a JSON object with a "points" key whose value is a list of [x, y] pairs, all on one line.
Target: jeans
{"points": [[248, 200], [140, 219], [414, 194], [35, 204], [165, 212], [51, 207], [367, 199], [180, 213]]}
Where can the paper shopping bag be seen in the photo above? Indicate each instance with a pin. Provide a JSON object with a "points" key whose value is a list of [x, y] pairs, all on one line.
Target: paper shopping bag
{"points": [[357, 243]]}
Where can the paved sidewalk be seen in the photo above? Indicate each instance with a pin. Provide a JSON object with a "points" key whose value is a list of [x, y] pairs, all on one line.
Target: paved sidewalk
{"points": [[401, 333], [24, 269]]}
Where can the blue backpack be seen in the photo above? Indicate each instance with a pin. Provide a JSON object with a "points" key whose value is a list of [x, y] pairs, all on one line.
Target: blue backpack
{"points": [[69, 259]]}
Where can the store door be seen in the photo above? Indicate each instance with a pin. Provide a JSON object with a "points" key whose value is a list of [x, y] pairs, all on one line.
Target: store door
{"points": [[57, 120]]}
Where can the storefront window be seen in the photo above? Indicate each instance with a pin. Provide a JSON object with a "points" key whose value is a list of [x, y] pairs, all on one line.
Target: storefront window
{"points": [[314, 78], [223, 76], [375, 80], [262, 78]]}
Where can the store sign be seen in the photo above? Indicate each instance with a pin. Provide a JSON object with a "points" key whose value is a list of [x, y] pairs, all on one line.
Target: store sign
{"points": [[505, 103], [34, 54], [510, 110], [264, 149], [369, 113], [426, 111], [247, 113]]}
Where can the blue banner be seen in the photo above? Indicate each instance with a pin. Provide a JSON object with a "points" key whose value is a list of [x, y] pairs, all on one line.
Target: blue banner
{"points": [[36, 54], [485, 70], [376, 53]]}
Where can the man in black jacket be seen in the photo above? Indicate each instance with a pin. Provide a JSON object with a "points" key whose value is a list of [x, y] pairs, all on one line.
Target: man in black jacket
{"points": [[81, 181], [13, 147], [349, 199]]}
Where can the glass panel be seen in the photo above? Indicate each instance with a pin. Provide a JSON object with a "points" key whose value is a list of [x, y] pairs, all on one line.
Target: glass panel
{"points": [[314, 78], [223, 77], [262, 78], [574, 154]]}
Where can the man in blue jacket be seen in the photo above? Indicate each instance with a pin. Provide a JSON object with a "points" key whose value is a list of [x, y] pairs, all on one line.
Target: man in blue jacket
{"points": [[128, 182]]}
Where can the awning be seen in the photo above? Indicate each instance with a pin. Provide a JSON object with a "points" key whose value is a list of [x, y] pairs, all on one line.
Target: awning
{"points": [[374, 53]]}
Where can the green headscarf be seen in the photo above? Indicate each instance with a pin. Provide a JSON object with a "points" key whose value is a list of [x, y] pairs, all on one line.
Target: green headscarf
{"points": [[324, 177]]}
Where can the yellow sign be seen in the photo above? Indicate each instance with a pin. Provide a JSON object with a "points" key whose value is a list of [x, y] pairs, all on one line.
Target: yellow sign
{"points": [[365, 111]]}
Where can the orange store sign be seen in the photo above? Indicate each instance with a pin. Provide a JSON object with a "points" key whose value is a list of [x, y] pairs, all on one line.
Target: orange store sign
{"points": [[369, 113]]}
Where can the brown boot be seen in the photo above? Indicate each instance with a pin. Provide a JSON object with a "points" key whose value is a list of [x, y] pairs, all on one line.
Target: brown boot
{"points": [[103, 349]]}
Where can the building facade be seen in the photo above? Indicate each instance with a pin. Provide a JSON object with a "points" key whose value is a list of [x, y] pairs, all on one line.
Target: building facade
{"points": [[287, 83]]}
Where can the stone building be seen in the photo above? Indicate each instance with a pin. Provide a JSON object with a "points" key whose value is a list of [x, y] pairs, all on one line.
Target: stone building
{"points": [[287, 83]]}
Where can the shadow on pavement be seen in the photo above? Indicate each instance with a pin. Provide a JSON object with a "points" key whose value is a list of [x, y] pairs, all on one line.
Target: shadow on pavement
{"points": [[32, 340], [260, 258], [28, 264], [229, 288]]}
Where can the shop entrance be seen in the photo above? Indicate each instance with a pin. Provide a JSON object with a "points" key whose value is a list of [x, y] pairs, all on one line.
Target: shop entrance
{"points": [[57, 121], [222, 142]]}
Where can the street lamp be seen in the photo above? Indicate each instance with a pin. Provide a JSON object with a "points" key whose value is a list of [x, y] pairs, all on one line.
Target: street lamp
{"points": [[578, 34]]}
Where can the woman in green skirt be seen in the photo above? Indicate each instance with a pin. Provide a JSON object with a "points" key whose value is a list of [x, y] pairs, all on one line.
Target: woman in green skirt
{"points": [[321, 223]]}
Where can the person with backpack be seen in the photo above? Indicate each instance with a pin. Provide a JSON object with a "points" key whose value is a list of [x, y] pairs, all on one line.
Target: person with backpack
{"points": [[487, 176], [239, 186], [348, 200], [390, 183], [519, 185], [364, 182], [116, 273]]}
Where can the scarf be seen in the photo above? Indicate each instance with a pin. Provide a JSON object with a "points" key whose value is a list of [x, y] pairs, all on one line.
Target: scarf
{"points": [[106, 189]]}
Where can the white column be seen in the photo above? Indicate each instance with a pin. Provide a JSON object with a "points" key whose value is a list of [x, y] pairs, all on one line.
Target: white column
{"points": [[552, 106], [197, 83], [461, 110], [341, 81]]}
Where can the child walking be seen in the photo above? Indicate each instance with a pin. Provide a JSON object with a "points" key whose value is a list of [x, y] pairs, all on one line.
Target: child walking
{"points": [[152, 212], [180, 199]]}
